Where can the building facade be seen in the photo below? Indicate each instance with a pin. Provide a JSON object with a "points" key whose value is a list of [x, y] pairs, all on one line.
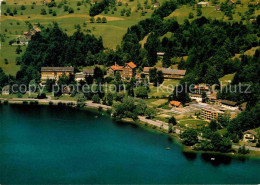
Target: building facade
{"points": [[115, 68], [199, 89], [129, 70], [231, 105], [55, 73], [167, 73], [211, 114]]}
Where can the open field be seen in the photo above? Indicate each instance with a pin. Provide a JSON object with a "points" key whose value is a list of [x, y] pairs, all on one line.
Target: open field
{"points": [[225, 80], [159, 91], [182, 13], [192, 123], [111, 32], [8, 52], [171, 82]]}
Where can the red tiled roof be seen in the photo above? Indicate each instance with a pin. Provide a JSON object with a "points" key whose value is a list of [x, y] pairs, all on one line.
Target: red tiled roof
{"points": [[117, 68], [131, 64], [201, 87], [175, 103]]}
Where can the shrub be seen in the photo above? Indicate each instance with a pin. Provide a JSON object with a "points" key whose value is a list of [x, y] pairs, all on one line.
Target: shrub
{"points": [[104, 20], [71, 10], [19, 95], [96, 98], [6, 61], [25, 103], [41, 96], [23, 7], [243, 150], [100, 108], [43, 12]]}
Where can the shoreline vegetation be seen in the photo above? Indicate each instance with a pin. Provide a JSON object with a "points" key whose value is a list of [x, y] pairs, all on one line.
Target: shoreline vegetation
{"points": [[90, 106]]}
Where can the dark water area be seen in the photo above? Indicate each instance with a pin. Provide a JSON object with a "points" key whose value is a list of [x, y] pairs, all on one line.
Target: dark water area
{"points": [[50, 145]]}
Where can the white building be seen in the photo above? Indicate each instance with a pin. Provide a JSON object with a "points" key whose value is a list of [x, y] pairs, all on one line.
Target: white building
{"points": [[231, 105], [203, 4], [196, 97]]}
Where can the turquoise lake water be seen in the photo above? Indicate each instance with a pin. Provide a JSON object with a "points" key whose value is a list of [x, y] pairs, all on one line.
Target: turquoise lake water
{"points": [[50, 145]]}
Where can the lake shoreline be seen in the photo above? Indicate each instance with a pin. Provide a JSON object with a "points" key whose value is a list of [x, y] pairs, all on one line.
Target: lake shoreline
{"points": [[145, 125]]}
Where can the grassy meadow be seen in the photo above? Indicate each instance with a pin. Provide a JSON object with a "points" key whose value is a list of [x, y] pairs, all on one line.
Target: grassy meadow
{"points": [[210, 11], [111, 32]]}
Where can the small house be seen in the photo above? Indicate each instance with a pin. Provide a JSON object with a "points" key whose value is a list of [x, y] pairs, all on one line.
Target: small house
{"points": [[196, 97], [249, 135], [231, 2], [88, 72], [6, 90], [46, 2], [160, 54], [203, 4], [199, 89], [80, 77], [175, 104], [157, 4], [217, 8]]}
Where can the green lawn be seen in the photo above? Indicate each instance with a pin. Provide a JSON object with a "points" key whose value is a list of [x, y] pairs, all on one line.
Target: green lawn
{"points": [[8, 52], [171, 82], [192, 123], [225, 80], [159, 91], [112, 31], [182, 13]]}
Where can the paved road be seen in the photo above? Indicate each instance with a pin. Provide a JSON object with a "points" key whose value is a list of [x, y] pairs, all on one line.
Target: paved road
{"points": [[88, 103], [247, 147], [155, 123]]}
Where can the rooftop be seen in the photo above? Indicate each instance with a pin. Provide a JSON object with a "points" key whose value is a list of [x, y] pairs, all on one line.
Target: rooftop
{"points": [[228, 102], [203, 3], [117, 67], [175, 103], [57, 69], [167, 71], [250, 132], [131, 64], [88, 71]]}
